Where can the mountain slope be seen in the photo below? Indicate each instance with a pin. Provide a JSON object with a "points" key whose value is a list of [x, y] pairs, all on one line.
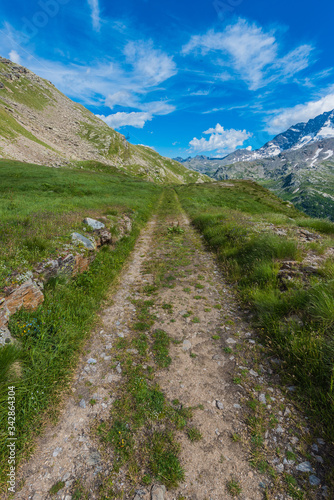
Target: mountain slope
{"points": [[39, 124], [297, 164], [303, 176], [296, 137]]}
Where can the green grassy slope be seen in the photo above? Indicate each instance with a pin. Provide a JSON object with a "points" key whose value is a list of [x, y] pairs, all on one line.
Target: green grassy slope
{"points": [[255, 234], [38, 124], [39, 209]]}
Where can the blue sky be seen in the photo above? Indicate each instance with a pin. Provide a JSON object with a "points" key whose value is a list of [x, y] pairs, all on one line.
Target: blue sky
{"points": [[185, 78]]}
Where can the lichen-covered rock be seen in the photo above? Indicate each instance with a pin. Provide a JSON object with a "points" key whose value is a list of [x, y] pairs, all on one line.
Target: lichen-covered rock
{"points": [[28, 295], [105, 238], [5, 336], [81, 264], [94, 224], [82, 240]]}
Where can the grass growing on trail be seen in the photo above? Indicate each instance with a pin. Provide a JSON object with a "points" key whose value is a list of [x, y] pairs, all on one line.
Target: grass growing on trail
{"points": [[143, 426], [295, 317], [50, 338]]}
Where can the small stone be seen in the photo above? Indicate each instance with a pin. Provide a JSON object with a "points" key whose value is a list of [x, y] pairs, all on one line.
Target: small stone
{"points": [[219, 405], [315, 447], [158, 492], [251, 341], [305, 467], [291, 388], [319, 459], [231, 341], [294, 440], [92, 361], [253, 373], [325, 491], [321, 441], [118, 368], [287, 412], [82, 403], [314, 480], [288, 462], [236, 406], [57, 451], [262, 399], [186, 345], [279, 429], [94, 458], [280, 468]]}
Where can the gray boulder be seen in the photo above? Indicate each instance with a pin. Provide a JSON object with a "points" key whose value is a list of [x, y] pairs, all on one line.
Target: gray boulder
{"points": [[79, 239], [5, 336], [94, 224]]}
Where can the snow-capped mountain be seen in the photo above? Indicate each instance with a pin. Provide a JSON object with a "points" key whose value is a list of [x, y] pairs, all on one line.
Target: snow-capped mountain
{"points": [[297, 136], [297, 164]]}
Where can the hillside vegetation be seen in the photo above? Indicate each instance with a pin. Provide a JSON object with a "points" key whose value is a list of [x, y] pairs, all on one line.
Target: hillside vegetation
{"points": [[39, 124], [279, 261], [283, 267], [40, 208]]}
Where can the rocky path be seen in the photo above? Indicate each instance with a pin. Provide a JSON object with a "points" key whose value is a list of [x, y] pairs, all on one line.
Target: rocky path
{"points": [[182, 288]]}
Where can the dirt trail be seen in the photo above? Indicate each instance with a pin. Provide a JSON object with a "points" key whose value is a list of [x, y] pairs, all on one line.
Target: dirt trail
{"points": [[67, 451], [199, 321]]}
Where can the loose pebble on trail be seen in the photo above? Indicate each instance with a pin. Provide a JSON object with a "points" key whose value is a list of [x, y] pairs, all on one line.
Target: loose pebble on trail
{"points": [[178, 285]]}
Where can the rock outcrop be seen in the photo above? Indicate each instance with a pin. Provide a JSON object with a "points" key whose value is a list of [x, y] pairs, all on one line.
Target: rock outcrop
{"points": [[27, 295]]}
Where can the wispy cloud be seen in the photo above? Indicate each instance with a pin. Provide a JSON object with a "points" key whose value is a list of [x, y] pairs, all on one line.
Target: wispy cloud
{"points": [[138, 118], [133, 119], [126, 82], [95, 14], [222, 141], [14, 56], [282, 119], [247, 50], [149, 64]]}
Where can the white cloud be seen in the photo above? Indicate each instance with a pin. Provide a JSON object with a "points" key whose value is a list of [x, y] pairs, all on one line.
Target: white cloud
{"points": [[285, 118], [250, 52], [200, 92], [96, 20], [134, 119], [121, 98], [14, 56], [220, 140], [138, 118], [149, 64]]}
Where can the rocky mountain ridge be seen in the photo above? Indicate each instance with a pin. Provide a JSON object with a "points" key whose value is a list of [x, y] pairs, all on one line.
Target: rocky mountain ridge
{"points": [[39, 124], [297, 164]]}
